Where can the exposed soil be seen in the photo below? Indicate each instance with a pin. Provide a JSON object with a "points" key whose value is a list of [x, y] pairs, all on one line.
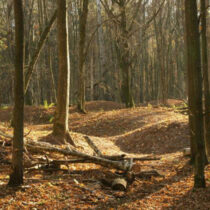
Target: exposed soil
{"points": [[142, 131]]}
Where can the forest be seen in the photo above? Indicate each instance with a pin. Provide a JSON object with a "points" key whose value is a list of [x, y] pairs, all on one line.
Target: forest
{"points": [[104, 104]]}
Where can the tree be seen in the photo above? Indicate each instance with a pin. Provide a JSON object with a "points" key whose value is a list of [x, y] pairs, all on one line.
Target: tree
{"points": [[205, 77], [195, 92], [16, 177], [82, 33], [37, 52], [60, 126], [104, 71], [124, 56]]}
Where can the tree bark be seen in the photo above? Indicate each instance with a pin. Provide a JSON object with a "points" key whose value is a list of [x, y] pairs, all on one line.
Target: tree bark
{"points": [[16, 177], [60, 126], [82, 33], [195, 92], [124, 58], [205, 78], [124, 165], [104, 73]]}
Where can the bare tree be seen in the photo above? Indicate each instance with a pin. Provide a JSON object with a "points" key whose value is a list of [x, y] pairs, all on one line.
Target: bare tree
{"points": [[195, 92], [60, 126], [206, 77], [16, 178], [82, 33]]}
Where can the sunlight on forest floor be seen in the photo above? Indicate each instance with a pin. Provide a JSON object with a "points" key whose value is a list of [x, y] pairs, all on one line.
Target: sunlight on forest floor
{"points": [[115, 130]]}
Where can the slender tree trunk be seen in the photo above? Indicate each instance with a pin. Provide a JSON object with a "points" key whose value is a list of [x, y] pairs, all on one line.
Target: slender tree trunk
{"points": [[103, 92], [82, 32], [60, 126], [195, 92], [160, 36], [91, 76], [37, 52], [205, 76], [16, 178], [51, 74]]}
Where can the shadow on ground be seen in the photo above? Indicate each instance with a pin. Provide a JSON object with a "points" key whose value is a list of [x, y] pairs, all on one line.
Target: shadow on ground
{"points": [[193, 200], [145, 189], [110, 125], [155, 139]]}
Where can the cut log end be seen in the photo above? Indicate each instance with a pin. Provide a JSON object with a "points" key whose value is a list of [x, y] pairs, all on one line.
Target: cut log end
{"points": [[119, 184]]}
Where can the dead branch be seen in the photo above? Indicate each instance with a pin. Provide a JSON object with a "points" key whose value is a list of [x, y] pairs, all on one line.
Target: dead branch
{"points": [[148, 174], [124, 165], [117, 161], [93, 146], [98, 152]]}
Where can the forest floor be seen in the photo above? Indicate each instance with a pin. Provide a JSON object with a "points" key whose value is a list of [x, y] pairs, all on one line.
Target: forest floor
{"points": [[141, 131]]}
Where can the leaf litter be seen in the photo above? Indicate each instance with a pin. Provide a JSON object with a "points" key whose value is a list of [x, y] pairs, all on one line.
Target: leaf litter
{"points": [[142, 131]]}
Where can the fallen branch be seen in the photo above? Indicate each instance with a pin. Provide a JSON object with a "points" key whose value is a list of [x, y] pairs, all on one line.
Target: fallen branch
{"points": [[93, 146], [99, 153], [148, 174], [6, 143], [144, 158], [116, 157], [118, 161], [124, 165]]}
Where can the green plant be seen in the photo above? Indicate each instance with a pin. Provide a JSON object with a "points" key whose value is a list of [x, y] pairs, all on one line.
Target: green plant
{"points": [[51, 119], [46, 105]]}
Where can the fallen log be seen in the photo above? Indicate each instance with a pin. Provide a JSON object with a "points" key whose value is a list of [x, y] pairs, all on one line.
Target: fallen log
{"points": [[82, 160], [118, 162], [119, 184], [144, 158], [148, 174], [115, 157], [124, 165]]}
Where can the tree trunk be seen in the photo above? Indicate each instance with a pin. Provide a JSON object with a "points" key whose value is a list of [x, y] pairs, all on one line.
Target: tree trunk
{"points": [[52, 75], [82, 33], [36, 54], [195, 92], [16, 178], [124, 58], [60, 126], [205, 76], [103, 92]]}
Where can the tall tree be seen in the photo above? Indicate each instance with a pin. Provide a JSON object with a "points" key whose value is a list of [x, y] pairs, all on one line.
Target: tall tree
{"points": [[60, 126], [82, 33], [103, 69], [124, 56], [205, 77], [195, 92], [16, 177]]}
